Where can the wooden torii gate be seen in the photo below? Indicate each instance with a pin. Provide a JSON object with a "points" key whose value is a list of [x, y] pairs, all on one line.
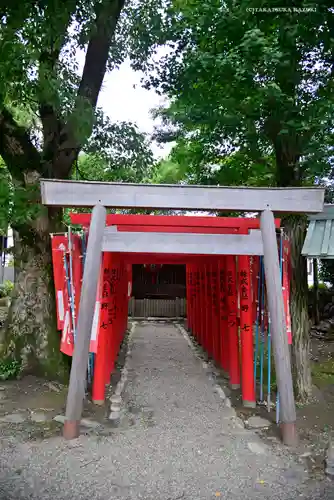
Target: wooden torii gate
{"points": [[101, 195]]}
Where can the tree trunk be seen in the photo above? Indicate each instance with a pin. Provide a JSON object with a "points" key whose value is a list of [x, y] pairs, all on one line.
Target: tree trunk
{"points": [[315, 292], [295, 228], [30, 335]]}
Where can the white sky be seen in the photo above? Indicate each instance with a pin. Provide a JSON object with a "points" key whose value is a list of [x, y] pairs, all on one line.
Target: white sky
{"points": [[123, 99]]}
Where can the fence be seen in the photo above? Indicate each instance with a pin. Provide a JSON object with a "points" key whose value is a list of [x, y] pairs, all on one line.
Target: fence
{"points": [[157, 308]]}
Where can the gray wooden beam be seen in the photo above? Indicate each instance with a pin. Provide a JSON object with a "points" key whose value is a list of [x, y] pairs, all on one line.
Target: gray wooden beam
{"points": [[179, 243], [87, 194], [278, 329], [76, 389]]}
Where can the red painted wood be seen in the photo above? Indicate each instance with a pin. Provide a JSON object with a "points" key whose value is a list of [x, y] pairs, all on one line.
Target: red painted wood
{"points": [[196, 302], [215, 310], [286, 288], [176, 229], [188, 297], [246, 331], [202, 307], [233, 338], [255, 277], [208, 309], [101, 358], [223, 317], [172, 221]]}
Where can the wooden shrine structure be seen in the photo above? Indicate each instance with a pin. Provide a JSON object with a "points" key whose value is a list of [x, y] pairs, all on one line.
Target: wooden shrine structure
{"points": [[129, 242]]}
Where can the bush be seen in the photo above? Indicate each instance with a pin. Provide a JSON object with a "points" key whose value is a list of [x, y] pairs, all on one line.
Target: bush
{"points": [[322, 287], [6, 289], [9, 369]]}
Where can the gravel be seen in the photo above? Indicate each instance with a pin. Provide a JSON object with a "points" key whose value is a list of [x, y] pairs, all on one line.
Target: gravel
{"points": [[176, 440]]}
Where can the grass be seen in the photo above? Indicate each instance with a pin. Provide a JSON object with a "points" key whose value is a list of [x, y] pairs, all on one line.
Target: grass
{"points": [[323, 373]]}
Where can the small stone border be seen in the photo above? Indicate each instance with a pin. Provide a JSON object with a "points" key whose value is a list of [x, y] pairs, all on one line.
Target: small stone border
{"points": [[116, 398]]}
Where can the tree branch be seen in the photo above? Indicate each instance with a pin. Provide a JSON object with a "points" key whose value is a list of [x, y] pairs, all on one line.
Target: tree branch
{"points": [[16, 147], [99, 45], [107, 15]]}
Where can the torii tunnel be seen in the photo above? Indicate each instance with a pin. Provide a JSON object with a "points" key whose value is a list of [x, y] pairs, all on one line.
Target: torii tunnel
{"points": [[236, 276], [222, 292]]}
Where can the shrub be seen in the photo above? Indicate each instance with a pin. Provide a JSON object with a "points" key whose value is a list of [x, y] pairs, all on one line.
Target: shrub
{"points": [[9, 369], [6, 288]]}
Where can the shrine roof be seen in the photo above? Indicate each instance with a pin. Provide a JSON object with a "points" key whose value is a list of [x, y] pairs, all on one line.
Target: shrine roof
{"points": [[319, 241]]}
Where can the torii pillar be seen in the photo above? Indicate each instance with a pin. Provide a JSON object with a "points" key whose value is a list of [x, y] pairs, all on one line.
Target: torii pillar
{"points": [[76, 388], [278, 329]]}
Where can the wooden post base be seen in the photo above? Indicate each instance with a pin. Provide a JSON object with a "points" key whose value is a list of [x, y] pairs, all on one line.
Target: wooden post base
{"points": [[248, 404], [71, 429], [289, 433], [98, 402]]}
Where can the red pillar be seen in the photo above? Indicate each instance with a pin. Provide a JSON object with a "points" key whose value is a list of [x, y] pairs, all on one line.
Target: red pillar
{"points": [[202, 306], [286, 288], [207, 312], [246, 332], [196, 299], [188, 295], [223, 317], [215, 311], [113, 316], [101, 357], [255, 276], [232, 306]]}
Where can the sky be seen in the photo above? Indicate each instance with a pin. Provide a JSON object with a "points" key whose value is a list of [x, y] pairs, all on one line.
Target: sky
{"points": [[123, 99]]}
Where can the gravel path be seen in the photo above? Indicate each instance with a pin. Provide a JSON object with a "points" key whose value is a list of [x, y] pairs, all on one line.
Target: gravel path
{"points": [[176, 440]]}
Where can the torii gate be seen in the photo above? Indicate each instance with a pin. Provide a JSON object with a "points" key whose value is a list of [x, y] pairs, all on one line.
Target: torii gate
{"points": [[101, 195]]}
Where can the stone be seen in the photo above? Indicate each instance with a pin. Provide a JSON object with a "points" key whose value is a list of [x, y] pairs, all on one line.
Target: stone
{"points": [[115, 408], [53, 387], [329, 471], [2, 388], [114, 417], [119, 388], [257, 448], [256, 422], [115, 399], [238, 423], [38, 416], [324, 326], [220, 392], [60, 419], [228, 403], [13, 418], [90, 424], [306, 454], [329, 461]]}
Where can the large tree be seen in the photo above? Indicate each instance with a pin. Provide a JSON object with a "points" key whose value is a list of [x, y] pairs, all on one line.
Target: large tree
{"points": [[47, 116], [251, 97]]}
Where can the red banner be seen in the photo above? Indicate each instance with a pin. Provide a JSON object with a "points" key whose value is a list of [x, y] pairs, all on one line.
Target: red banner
{"points": [[62, 283]]}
